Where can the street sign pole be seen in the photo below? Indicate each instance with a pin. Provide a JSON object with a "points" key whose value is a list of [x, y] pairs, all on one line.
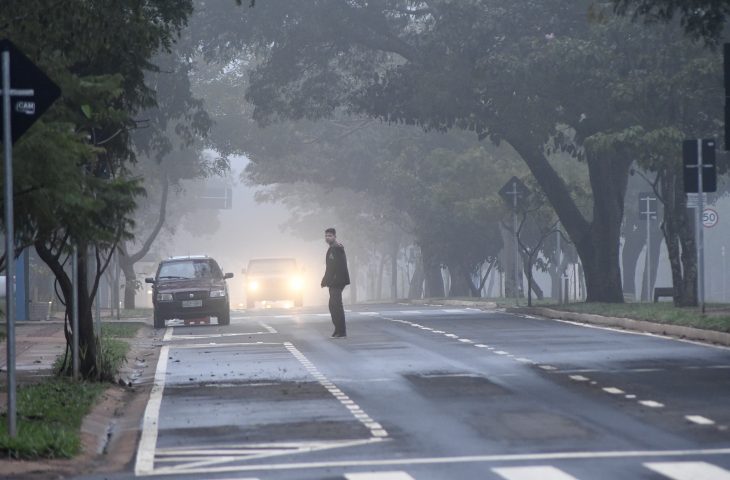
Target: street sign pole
{"points": [[75, 313], [647, 266], [700, 230], [7, 94], [9, 245], [518, 280], [15, 121], [724, 276]]}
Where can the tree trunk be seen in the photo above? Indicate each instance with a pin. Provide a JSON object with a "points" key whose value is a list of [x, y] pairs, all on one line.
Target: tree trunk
{"points": [[598, 241], [634, 239], [415, 288], [434, 282], [656, 244], [512, 285], [353, 279], [460, 282], [379, 282], [394, 270], [87, 340], [130, 282], [678, 228]]}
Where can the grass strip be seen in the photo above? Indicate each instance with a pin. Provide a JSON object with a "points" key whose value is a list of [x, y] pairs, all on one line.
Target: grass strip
{"points": [[49, 419], [120, 329], [663, 312]]}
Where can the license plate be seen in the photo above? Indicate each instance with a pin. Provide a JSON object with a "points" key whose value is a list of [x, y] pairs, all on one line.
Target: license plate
{"points": [[192, 303]]}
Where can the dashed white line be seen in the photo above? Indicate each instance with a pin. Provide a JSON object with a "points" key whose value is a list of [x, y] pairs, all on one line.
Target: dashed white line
{"points": [[613, 390], [699, 420], [548, 367], [377, 431], [651, 403], [579, 378]]}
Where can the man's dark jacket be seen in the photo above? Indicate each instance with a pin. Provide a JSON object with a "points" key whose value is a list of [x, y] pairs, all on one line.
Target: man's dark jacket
{"points": [[336, 274]]}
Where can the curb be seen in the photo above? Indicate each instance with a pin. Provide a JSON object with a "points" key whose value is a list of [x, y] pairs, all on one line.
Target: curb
{"points": [[677, 331]]}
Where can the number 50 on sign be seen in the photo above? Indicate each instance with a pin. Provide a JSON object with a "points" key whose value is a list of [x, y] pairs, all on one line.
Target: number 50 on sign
{"points": [[710, 217]]}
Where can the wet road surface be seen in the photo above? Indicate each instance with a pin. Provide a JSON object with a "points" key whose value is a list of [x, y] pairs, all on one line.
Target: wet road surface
{"points": [[433, 392]]}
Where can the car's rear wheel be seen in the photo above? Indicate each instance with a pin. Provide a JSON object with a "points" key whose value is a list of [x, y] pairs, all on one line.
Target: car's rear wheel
{"points": [[224, 317], [158, 320]]}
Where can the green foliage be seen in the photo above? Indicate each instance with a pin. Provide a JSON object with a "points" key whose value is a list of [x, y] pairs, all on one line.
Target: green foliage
{"points": [[49, 418], [701, 19]]}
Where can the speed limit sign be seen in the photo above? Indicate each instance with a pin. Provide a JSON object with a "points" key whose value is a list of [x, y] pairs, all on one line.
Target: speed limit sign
{"points": [[710, 217]]}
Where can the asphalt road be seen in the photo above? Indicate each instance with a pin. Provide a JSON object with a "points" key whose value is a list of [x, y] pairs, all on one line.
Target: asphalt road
{"points": [[433, 392]]}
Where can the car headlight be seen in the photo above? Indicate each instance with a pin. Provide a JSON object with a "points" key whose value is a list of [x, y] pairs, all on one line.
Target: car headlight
{"points": [[253, 285], [217, 293], [164, 297], [296, 283]]}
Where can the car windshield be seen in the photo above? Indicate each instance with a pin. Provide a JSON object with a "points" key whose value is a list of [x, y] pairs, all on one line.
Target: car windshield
{"points": [[284, 265], [188, 269]]}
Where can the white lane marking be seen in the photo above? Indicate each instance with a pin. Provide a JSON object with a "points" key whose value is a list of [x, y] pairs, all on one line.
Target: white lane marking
{"points": [[699, 420], [613, 390], [268, 327], [213, 335], [689, 470], [378, 476], [148, 442], [454, 310], [355, 410], [168, 334], [651, 403], [454, 460], [438, 331], [532, 473], [630, 397], [216, 345], [372, 314], [579, 378], [480, 345], [465, 340], [548, 367], [451, 335], [501, 352]]}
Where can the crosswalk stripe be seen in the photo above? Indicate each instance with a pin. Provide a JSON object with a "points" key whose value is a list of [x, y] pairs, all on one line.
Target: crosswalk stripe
{"points": [[532, 473], [689, 470], [379, 476]]}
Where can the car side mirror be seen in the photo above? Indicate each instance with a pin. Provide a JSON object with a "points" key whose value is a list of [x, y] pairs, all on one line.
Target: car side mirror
{"points": [[228, 275], [149, 280]]}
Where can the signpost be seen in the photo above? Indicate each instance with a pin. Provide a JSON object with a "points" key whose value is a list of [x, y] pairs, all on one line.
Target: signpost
{"points": [[700, 176], [26, 94], [515, 193], [648, 212]]}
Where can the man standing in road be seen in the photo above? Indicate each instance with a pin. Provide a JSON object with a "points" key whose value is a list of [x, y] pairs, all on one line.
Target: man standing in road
{"points": [[336, 278]]}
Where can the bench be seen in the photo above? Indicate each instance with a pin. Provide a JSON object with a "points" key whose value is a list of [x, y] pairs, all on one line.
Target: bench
{"points": [[663, 292]]}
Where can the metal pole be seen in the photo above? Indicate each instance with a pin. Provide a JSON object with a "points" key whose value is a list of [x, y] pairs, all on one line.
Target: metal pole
{"points": [[560, 274], [9, 247], [518, 280], [700, 230], [647, 263], [97, 306], [724, 276], [75, 312]]}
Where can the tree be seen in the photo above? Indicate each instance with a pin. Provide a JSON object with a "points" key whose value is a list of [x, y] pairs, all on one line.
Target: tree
{"points": [[72, 180], [701, 19]]}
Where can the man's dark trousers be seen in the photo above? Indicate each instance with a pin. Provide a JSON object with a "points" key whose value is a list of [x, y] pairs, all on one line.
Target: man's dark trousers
{"points": [[337, 310]]}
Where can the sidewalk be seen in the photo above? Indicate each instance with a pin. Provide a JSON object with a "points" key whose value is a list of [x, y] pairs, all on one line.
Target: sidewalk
{"points": [[37, 345]]}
